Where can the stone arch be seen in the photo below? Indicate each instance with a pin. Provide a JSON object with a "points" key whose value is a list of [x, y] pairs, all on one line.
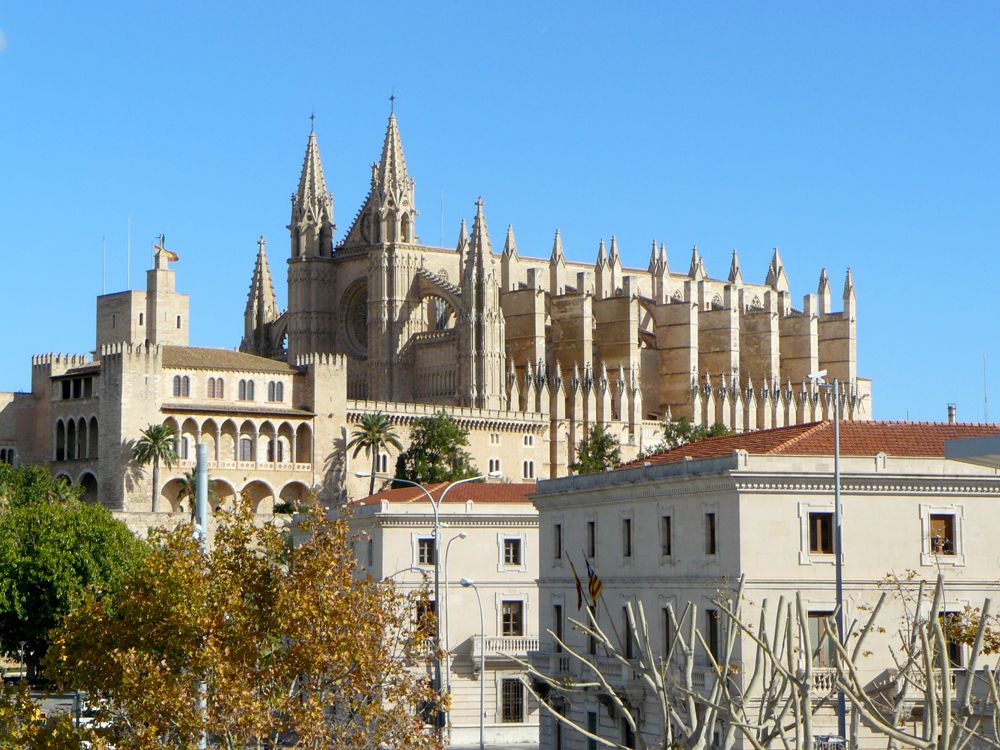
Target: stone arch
{"points": [[223, 493], [286, 437], [296, 493], [94, 439], [209, 437], [260, 494], [63, 477], [303, 444], [82, 448], [266, 437], [228, 435], [170, 494], [189, 432], [404, 228], [88, 483], [247, 441], [60, 441], [354, 317]]}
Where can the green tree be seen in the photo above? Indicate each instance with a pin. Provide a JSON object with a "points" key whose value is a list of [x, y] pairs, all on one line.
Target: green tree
{"points": [[157, 444], [293, 648], [437, 452], [597, 452], [33, 483], [681, 431], [373, 434], [50, 552]]}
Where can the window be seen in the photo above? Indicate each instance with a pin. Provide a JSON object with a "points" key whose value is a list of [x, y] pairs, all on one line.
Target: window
{"points": [[626, 537], [275, 451], [371, 552], [821, 533], [6, 456], [425, 551], [666, 536], [668, 631], [591, 539], [494, 438], [424, 610], [246, 449], [178, 321], [383, 463], [712, 626], [948, 620], [246, 390], [592, 728], [557, 541], [557, 624], [512, 702], [942, 534], [270, 391], [140, 318], [512, 618], [494, 465], [529, 470], [511, 551], [177, 387], [113, 320], [182, 448], [67, 387], [529, 440], [710, 545], [279, 391], [210, 392], [628, 736], [822, 652]]}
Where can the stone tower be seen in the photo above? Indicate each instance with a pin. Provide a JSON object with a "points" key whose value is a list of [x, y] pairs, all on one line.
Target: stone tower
{"points": [[311, 318], [481, 324], [259, 331]]}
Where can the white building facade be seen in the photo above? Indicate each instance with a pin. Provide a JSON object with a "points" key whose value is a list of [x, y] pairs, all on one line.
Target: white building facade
{"points": [[689, 522], [489, 534]]}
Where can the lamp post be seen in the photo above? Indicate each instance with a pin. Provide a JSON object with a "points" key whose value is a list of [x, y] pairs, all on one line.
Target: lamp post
{"points": [[436, 505], [469, 583], [201, 530], [838, 561], [447, 613]]}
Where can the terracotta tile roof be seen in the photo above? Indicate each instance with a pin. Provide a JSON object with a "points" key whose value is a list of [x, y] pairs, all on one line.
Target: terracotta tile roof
{"points": [[199, 358], [901, 439], [480, 492]]}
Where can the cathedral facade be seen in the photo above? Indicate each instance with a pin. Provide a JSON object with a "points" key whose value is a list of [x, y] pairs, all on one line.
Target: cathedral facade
{"points": [[527, 352]]}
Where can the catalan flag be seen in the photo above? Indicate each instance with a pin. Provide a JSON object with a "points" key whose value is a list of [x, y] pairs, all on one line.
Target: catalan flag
{"points": [[579, 587], [594, 584], [171, 255]]}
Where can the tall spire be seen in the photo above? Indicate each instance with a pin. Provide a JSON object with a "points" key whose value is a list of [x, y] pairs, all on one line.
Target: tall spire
{"points": [[557, 250], [602, 255], [311, 225], [654, 261], [392, 177], [823, 292], [262, 306], [776, 277], [510, 244], [735, 275], [697, 268], [481, 249], [557, 267]]}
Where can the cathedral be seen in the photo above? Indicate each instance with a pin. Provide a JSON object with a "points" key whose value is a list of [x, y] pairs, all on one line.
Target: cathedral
{"points": [[527, 352]]}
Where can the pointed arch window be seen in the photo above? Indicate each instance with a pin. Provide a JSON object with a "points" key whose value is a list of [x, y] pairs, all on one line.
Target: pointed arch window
{"points": [[246, 390], [270, 391], [185, 386], [279, 391], [177, 386]]}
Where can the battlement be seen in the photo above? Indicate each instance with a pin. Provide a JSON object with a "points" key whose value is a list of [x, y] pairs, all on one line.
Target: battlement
{"points": [[130, 352], [60, 362], [319, 359]]}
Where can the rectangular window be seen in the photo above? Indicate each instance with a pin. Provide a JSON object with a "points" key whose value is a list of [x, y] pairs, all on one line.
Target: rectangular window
{"points": [[666, 536], [821, 533], [512, 703], [942, 534], [591, 539], [512, 618], [628, 736], [424, 611], [494, 438], [712, 628], [66, 392], [823, 650], [947, 620], [425, 551], [592, 728], [626, 537], [529, 440], [529, 469], [557, 541], [557, 623], [511, 551], [371, 552], [710, 541]]}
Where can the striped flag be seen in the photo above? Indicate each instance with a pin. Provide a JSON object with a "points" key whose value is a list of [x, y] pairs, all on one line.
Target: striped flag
{"points": [[171, 255], [579, 587], [594, 584]]}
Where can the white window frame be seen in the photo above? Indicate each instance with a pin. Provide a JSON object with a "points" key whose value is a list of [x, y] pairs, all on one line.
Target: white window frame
{"points": [[805, 556], [519, 596], [528, 441], [592, 518], [626, 514], [498, 679], [705, 510], [502, 567], [927, 558], [664, 509], [557, 562], [415, 537]]}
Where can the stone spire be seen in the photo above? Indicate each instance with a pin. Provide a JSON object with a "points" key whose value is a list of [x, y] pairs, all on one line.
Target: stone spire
{"points": [[311, 225], [615, 266], [602, 256], [262, 307], [823, 292], [697, 269], [602, 274], [776, 277], [654, 261], [510, 244], [850, 299], [481, 251], [462, 247], [557, 267], [392, 177], [735, 275]]}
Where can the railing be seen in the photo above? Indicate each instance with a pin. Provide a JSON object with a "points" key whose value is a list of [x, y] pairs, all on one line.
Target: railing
{"points": [[824, 679], [505, 645]]}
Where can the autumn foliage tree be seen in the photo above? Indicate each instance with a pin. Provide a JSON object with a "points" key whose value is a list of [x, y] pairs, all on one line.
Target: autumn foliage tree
{"points": [[291, 645]]}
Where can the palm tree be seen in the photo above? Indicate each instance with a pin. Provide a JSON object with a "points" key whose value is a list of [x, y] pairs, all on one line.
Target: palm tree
{"points": [[372, 435], [188, 490], [158, 443]]}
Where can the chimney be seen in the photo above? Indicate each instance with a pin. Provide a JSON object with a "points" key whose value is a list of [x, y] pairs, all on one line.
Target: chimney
{"points": [[951, 414]]}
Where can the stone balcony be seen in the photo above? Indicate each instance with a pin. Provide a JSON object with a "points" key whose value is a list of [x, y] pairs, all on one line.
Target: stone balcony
{"points": [[188, 463], [499, 646]]}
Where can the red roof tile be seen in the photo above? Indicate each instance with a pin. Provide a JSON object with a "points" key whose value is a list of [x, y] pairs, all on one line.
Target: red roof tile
{"points": [[901, 439], [480, 492]]}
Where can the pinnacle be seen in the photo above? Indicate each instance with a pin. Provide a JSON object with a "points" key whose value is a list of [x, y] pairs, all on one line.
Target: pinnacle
{"points": [[654, 261], [602, 255], [312, 183], [510, 244], [557, 250], [849, 283], [392, 165], [480, 233], [735, 275], [664, 267], [463, 236], [613, 257]]}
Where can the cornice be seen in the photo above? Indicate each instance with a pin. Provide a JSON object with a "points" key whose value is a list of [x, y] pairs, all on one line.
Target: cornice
{"points": [[867, 484]]}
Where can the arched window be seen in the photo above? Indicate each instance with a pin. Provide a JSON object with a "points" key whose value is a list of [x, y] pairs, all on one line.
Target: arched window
{"points": [[270, 391], [178, 321], [249, 390], [279, 391], [243, 390], [185, 386], [60, 441], [246, 449], [140, 319], [177, 386], [404, 228], [529, 469], [220, 388], [275, 451], [211, 387], [383, 463]]}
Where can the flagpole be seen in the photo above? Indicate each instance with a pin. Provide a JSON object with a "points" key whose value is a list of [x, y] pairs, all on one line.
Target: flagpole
{"points": [[104, 265], [129, 261]]}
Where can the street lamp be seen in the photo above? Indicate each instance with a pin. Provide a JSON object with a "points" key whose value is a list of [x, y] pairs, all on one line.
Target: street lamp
{"points": [[437, 557], [818, 379], [447, 613], [469, 583]]}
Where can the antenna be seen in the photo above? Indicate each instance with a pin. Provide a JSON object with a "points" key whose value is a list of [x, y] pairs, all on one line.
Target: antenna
{"points": [[104, 265], [129, 261]]}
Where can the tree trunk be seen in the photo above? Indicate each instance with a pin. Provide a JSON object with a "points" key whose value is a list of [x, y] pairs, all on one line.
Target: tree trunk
{"points": [[371, 487], [156, 481]]}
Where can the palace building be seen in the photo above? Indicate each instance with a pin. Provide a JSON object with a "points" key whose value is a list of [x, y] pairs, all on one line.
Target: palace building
{"points": [[526, 351]]}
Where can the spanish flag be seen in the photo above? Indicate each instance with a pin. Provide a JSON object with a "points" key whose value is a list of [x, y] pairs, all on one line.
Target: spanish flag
{"points": [[171, 255], [594, 584]]}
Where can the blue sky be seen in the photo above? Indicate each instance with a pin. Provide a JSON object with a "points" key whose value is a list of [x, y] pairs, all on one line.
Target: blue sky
{"points": [[861, 134]]}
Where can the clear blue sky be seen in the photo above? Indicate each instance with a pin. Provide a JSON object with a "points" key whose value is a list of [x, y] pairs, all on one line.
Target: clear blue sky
{"points": [[861, 134]]}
